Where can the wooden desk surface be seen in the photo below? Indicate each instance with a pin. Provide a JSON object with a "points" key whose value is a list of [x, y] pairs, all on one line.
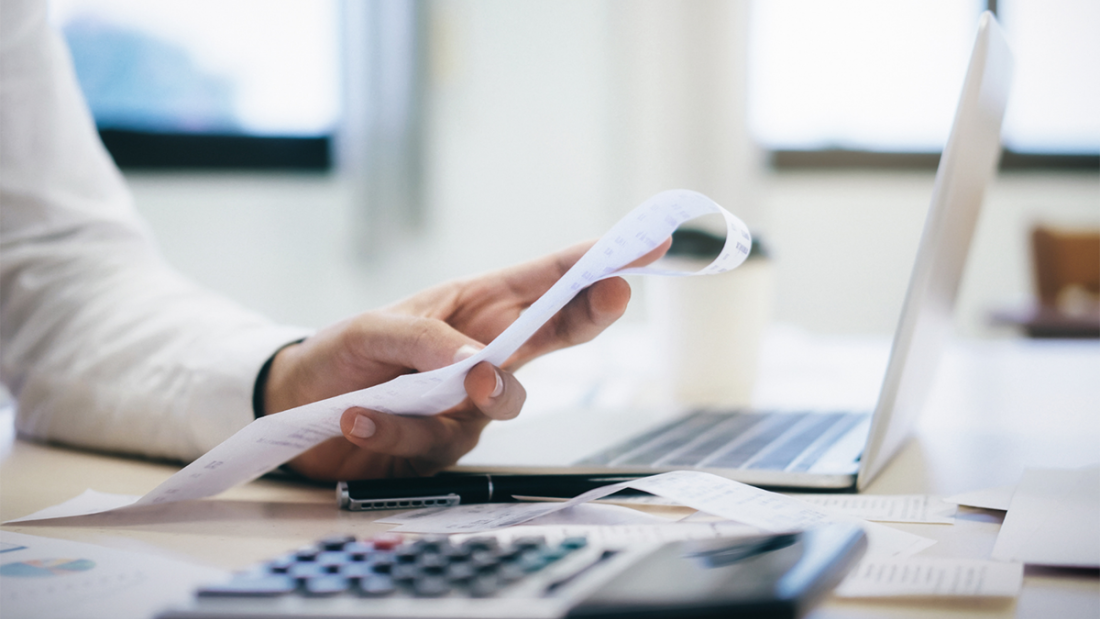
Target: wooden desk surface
{"points": [[998, 408]]}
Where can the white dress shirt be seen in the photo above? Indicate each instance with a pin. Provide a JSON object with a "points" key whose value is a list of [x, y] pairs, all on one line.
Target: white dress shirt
{"points": [[103, 345]]}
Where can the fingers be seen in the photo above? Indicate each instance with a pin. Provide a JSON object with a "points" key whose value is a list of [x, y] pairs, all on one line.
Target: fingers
{"points": [[531, 279], [654, 255], [414, 342], [496, 393], [432, 438]]}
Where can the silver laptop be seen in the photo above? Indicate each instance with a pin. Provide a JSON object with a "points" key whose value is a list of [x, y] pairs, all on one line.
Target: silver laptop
{"points": [[821, 450]]}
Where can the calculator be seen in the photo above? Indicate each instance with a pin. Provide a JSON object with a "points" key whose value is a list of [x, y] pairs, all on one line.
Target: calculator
{"points": [[490, 577]]}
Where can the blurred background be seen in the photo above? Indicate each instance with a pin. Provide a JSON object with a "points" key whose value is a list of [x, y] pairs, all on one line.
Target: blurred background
{"points": [[316, 158]]}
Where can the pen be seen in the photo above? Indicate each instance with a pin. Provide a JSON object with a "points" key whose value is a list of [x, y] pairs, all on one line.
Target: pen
{"points": [[445, 490]]}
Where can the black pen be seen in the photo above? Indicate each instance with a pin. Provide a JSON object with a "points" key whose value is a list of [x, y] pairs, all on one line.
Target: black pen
{"points": [[460, 489]]}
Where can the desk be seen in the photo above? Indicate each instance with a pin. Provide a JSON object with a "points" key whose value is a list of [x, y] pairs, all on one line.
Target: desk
{"points": [[997, 408]]}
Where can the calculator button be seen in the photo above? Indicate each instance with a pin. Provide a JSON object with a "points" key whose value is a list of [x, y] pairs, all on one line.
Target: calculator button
{"points": [[431, 586], [377, 585], [574, 543], [305, 571], [358, 551], [336, 542], [382, 564], [511, 572], [332, 559], [485, 585], [326, 585], [356, 570], [404, 572], [460, 572], [480, 543], [386, 541], [280, 565]]}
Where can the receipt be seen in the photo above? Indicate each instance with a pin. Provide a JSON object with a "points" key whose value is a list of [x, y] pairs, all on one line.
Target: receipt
{"points": [[886, 508], [932, 577], [272, 440], [719, 496]]}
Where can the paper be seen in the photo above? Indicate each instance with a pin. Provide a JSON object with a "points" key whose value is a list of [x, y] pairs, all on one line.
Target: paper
{"points": [[885, 508], [932, 577], [1054, 519], [89, 502], [623, 534], [997, 498], [44, 578], [748, 505], [272, 440]]}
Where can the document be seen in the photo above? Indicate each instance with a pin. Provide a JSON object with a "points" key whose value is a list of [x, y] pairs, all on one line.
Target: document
{"points": [[623, 533], [88, 502], [732, 500], [45, 578], [270, 441], [1054, 519], [932, 577], [885, 508]]}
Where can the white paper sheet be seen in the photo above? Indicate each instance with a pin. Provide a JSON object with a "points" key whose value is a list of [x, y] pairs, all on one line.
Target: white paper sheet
{"points": [[45, 578], [270, 441], [998, 498], [1054, 519], [88, 502], [741, 503], [886, 508], [624, 533], [932, 577]]}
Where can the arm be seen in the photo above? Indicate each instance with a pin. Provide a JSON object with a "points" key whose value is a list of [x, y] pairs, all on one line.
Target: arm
{"points": [[103, 345]]}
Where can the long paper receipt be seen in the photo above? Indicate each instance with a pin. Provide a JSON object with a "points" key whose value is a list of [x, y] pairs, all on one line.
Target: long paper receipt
{"points": [[270, 441]]}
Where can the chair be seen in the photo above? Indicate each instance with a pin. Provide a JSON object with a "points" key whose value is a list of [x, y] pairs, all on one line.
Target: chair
{"points": [[1066, 266]]}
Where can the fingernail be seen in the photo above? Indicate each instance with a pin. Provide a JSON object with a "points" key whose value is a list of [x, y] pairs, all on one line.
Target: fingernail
{"points": [[363, 427], [499, 389], [465, 352]]}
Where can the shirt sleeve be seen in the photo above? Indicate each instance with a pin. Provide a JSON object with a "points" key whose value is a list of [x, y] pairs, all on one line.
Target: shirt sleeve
{"points": [[103, 345]]}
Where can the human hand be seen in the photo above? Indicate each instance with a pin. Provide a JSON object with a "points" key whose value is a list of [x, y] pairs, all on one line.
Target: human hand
{"points": [[427, 331]]}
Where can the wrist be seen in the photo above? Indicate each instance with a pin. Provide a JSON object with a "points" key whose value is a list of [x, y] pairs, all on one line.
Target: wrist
{"points": [[270, 393]]}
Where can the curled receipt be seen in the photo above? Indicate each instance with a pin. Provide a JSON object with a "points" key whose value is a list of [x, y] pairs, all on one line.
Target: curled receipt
{"points": [[270, 441]]}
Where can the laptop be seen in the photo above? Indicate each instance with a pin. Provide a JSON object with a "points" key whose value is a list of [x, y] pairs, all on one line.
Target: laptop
{"points": [[820, 449]]}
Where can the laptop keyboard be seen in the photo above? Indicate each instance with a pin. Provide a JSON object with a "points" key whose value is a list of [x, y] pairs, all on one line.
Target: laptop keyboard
{"points": [[734, 440]]}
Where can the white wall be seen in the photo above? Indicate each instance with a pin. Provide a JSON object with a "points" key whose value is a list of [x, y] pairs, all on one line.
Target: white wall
{"points": [[844, 243]]}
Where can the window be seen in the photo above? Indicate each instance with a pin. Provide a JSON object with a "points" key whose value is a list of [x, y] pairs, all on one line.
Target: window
{"points": [[864, 82], [207, 83]]}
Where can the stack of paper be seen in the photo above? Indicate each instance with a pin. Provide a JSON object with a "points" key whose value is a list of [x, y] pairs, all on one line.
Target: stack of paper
{"points": [[1053, 519]]}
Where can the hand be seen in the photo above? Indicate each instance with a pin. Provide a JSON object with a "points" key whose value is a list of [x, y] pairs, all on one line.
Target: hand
{"points": [[427, 331]]}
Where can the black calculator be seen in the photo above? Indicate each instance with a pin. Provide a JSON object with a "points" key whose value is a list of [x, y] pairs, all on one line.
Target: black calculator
{"points": [[485, 577]]}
